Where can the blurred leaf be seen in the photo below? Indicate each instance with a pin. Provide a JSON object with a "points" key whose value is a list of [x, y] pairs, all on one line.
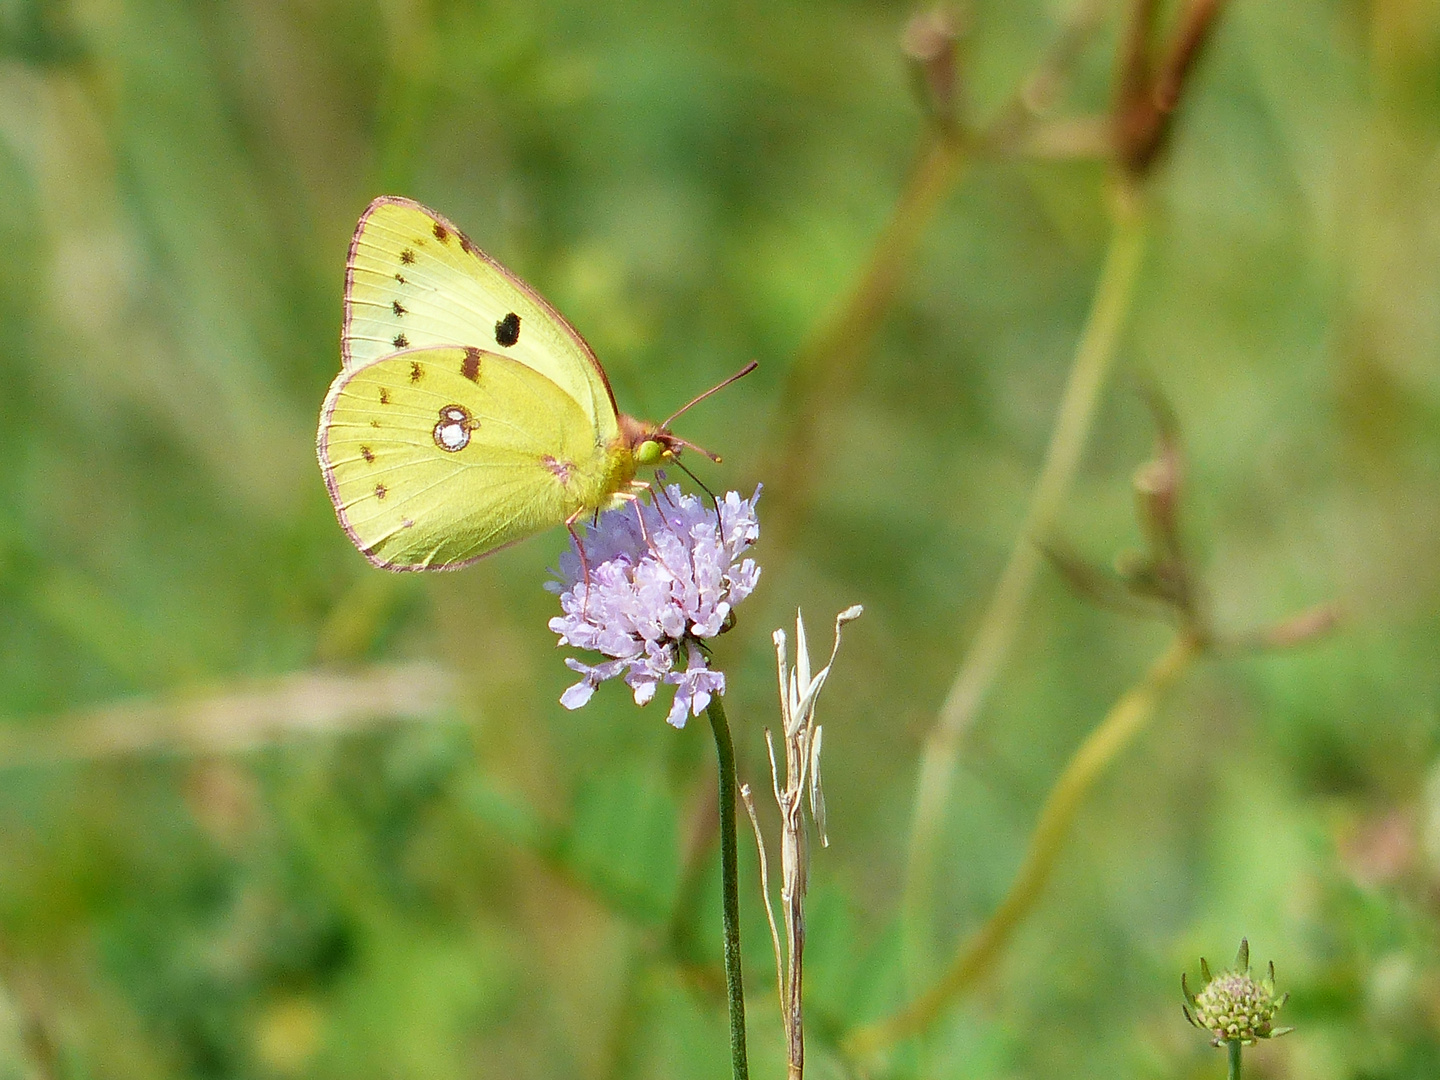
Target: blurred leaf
{"points": [[625, 839]]}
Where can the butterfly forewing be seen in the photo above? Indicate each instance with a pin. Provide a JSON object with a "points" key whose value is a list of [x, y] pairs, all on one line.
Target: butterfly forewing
{"points": [[415, 281], [434, 457]]}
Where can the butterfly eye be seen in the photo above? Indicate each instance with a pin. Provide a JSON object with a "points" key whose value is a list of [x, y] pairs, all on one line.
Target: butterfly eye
{"points": [[649, 452]]}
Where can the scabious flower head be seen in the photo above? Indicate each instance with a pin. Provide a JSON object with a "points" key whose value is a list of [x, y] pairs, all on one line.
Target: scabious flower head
{"points": [[1233, 1006], [663, 577]]}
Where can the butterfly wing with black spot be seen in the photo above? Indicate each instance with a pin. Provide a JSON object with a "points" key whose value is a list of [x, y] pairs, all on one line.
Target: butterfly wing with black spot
{"points": [[435, 457], [414, 281]]}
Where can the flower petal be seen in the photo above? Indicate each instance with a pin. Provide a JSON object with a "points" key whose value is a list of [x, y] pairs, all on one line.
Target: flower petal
{"points": [[655, 575], [577, 695]]}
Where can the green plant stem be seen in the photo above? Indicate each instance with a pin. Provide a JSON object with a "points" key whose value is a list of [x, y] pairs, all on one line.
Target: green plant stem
{"points": [[1126, 719], [730, 888], [1094, 354], [1234, 1047]]}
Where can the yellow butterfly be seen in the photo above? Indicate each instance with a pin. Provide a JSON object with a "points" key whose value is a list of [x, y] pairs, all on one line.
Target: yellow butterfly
{"points": [[468, 413]]}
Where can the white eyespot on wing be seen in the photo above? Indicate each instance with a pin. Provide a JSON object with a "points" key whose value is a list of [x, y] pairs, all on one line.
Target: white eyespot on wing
{"points": [[452, 436], [452, 430]]}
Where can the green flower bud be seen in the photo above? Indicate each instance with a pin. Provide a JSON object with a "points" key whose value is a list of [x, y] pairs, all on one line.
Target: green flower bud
{"points": [[1233, 1006]]}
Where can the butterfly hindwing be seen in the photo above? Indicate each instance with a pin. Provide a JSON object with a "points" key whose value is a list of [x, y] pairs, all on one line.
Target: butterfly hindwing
{"points": [[434, 457], [413, 280]]}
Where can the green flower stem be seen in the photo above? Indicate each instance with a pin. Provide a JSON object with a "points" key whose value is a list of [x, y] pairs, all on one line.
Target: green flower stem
{"points": [[1094, 354], [730, 888], [1234, 1047], [1125, 720]]}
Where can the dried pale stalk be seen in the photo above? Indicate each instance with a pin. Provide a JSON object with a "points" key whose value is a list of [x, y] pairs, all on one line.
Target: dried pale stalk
{"points": [[801, 737], [241, 716]]}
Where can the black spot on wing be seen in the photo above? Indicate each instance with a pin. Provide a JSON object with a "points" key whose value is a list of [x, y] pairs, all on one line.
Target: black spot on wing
{"points": [[470, 366], [416, 371], [397, 307], [407, 257], [507, 330], [384, 399], [400, 341], [400, 278], [441, 233], [381, 491], [368, 455]]}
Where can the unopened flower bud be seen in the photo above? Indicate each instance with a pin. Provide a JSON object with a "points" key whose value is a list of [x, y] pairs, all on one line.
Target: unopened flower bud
{"points": [[1157, 488], [1233, 1006], [930, 43]]}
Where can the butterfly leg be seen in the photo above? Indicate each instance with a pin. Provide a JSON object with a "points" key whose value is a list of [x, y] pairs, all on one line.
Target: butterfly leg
{"points": [[633, 497], [584, 562], [641, 488]]}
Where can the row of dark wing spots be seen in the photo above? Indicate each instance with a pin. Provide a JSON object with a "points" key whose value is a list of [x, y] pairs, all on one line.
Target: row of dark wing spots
{"points": [[507, 330], [400, 341], [443, 235], [407, 257], [416, 371]]}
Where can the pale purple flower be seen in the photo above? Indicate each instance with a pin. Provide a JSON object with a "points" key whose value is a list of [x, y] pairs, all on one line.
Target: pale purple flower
{"points": [[663, 576]]}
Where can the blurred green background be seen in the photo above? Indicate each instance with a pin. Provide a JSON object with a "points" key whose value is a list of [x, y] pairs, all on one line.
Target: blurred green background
{"points": [[267, 812]]}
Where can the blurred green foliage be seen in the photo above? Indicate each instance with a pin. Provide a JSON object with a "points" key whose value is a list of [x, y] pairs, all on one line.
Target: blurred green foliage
{"points": [[493, 887]]}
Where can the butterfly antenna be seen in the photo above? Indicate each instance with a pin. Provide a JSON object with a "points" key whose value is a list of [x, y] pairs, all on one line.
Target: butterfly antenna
{"points": [[697, 480], [716, 458], [751, 366]]}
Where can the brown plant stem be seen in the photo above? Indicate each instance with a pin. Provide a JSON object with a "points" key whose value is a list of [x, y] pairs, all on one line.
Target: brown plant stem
{"points": [[794, 863], [1125, 720], [1148, 92]]}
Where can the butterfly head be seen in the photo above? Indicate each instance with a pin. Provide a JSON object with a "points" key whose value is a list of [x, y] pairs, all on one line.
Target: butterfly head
{"points": [[653, 452], [653, 444]]}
